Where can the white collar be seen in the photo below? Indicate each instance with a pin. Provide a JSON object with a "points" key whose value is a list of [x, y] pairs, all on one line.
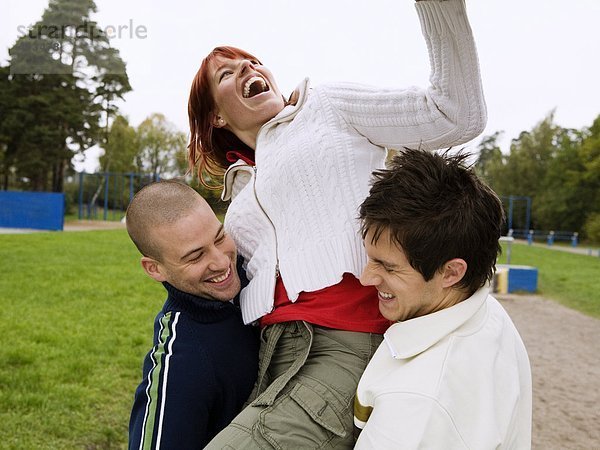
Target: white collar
{"points": [[289, 111], [411, 337], [284, 115]]}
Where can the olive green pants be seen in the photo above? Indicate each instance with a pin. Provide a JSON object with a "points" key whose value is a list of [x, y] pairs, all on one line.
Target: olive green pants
{"points": [[305, 389]]}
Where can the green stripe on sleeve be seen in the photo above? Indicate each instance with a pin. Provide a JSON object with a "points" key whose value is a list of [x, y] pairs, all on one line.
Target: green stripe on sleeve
{"points": [[361, 412], [154, 387]]}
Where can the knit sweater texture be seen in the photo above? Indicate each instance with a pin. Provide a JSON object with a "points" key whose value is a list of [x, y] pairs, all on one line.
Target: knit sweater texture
{"points": [[196, 378], [295, 213]]}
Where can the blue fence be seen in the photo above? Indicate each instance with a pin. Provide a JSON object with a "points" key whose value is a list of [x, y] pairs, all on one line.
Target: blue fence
{"points": [[36, 210], [106, 195], [549, 237]]}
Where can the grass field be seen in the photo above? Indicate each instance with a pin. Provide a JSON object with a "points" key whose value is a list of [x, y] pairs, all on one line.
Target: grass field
{"points": [[77, 315], [568, 278]]}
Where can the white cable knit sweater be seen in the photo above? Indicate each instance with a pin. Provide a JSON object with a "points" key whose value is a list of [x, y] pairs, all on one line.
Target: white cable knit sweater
{"points": [[297, 213]]}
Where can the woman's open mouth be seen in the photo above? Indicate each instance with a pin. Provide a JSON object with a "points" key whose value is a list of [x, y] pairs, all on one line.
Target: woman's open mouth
{"points": [[254, 86]]}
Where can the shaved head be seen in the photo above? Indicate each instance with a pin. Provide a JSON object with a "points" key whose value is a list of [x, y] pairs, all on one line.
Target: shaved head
{"points": [[158, 204]]}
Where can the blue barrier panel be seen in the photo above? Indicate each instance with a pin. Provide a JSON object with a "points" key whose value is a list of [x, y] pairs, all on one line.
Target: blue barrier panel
{"points": [[522, 278], [37, 210]]}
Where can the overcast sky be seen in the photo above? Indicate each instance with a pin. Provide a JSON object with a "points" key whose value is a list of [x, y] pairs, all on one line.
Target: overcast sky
{"points": [[535, 55]]}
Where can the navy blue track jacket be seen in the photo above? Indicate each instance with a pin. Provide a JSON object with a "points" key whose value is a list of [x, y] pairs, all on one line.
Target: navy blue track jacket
{"points": [[197, 376]]}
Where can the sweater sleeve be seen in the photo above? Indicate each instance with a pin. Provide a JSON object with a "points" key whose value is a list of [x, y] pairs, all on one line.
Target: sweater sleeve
{"points": [[172, 405], [449, 112], [409, 421]]}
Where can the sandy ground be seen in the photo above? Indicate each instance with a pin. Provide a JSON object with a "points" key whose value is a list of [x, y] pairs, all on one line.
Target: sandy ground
{"points": [[86, 225], [564, 350], [75, 225]]}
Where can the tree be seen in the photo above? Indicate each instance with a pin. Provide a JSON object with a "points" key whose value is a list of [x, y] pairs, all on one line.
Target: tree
{"points": [[560, 201], [490, 160], [592, 227], [160, 143], [523, 171], [121, 147], [63, 79], [530, 155], [558, 168], [8, 127], [590, 157]]}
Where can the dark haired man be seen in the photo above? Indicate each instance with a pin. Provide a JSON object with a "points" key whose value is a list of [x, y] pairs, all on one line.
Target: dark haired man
{"points": [[452, 371], [204, 360]]}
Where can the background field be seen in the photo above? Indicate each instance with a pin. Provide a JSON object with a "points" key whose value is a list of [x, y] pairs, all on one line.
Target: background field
{"points": [[568, 278], [77, 315]]}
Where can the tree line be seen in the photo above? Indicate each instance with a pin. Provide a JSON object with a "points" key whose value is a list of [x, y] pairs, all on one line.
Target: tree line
{"points": [[58, 99], [57, 95], [155, 147], [559, 168]]}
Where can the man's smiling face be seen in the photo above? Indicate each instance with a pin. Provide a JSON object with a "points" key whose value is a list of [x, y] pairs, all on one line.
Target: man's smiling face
{"points": [[402, 291], [197, 256]]}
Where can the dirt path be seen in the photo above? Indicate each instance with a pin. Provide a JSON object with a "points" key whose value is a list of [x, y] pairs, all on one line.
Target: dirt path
{"points": [[87, 225], [581, 250], [74, 225], [564, 350]]}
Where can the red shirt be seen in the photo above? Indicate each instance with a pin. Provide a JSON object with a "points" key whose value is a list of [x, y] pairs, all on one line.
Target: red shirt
{"points": [[348, 306]]}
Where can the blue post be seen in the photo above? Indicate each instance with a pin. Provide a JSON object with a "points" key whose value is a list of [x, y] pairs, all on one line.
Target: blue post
{"points": [[550, 238], [88, 206], [528, 213], [80, 210], [510, 211], [574, 239], [105, 195], [530, 237], [130, 187], [116, 194]]}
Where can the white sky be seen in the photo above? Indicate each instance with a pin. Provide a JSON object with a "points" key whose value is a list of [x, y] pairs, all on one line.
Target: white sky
{"points": [[535, 55]]}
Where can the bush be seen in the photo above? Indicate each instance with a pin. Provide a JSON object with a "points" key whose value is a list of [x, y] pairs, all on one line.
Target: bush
{"points": [[71, 190], [592, 227]]}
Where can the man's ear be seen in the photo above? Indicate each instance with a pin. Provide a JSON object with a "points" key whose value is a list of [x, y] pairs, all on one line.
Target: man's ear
{"points": [[453, 271], [152, 268]]}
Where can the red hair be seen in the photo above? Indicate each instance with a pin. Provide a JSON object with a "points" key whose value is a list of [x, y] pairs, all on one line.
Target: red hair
{"points": [[209, 145]]}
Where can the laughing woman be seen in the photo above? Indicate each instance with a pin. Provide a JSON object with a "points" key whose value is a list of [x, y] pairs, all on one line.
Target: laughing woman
{"points": [[296, 172]]}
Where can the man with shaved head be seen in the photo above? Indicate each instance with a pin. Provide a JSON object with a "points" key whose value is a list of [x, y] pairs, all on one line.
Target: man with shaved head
{"points": [[204, 360]]}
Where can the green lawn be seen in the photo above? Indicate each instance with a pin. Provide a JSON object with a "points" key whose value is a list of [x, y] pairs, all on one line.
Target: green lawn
{"points": [[568, 278], [77, 315]]}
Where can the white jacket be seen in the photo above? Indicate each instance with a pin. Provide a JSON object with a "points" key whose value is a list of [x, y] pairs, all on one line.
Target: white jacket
{"points": [[458, 378], [297, 213]]}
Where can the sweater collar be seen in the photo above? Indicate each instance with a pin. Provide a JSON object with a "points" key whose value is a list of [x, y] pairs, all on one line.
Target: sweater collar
{"points": [[411, 337], [287, 113], [202, 309], [245, 160]]}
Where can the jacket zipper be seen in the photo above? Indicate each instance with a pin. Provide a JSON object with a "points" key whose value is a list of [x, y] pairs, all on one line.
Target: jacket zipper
{"points": [[270, 221], [276, 120]]}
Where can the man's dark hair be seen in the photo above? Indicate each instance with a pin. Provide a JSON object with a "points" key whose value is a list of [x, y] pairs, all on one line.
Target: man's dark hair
{"points": [[435, 209]]}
